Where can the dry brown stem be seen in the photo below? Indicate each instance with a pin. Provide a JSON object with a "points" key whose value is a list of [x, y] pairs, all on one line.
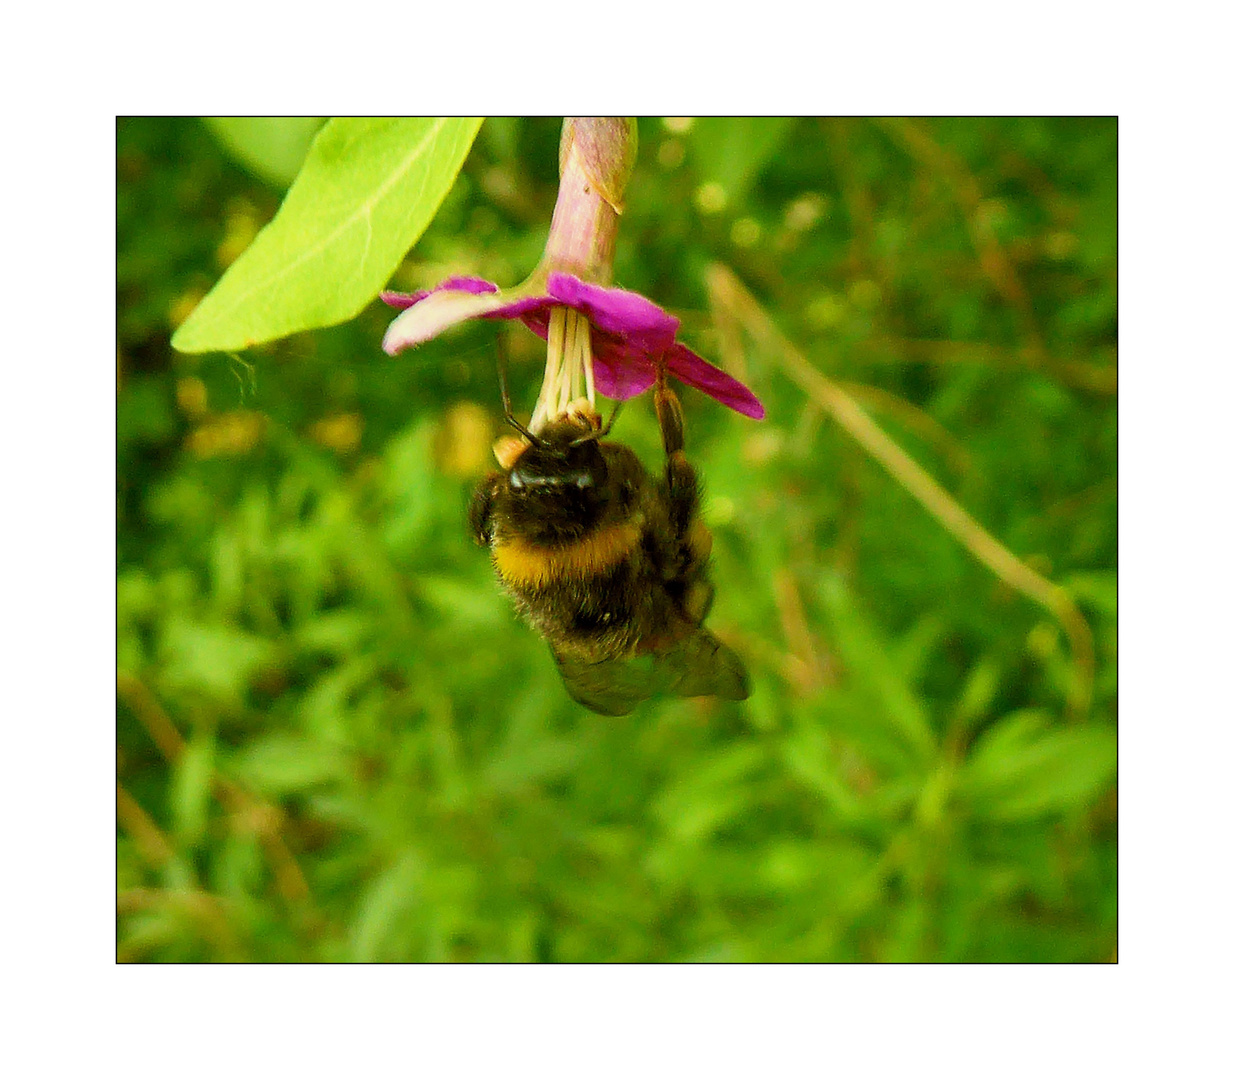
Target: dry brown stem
{"points": [[1096, 378], [916, 420], [155, 848], [804, 663], [247, 811], [916, 139], [729, 294]]}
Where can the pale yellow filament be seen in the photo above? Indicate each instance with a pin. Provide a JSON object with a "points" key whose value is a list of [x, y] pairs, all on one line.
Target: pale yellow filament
{"points": [[569, 367]]}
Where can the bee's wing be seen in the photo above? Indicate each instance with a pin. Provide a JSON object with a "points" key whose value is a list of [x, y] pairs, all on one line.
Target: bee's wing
{"points": [[703, 664], [696, 665], [608, 687]]}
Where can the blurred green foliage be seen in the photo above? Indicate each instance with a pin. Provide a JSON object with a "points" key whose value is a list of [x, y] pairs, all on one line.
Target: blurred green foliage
{"points": [[336, 743]]}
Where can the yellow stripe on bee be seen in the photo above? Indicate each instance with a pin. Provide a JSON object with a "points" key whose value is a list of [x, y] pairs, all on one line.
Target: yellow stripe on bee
{"points": [[526, 565]]}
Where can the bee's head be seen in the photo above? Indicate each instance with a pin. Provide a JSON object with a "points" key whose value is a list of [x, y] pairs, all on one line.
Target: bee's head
{"points": [[561, 463], [559, 484]]}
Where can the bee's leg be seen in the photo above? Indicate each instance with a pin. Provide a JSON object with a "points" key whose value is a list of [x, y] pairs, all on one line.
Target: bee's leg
{"points": [[672, 431], [680, 480], [697, 601], [682, 488], [480, 512], [672, 421]]}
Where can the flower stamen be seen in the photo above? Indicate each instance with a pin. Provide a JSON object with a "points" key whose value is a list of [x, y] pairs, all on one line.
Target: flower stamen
{"points": [[569, 367], [588, 364], [552, 368], [565, 391]]}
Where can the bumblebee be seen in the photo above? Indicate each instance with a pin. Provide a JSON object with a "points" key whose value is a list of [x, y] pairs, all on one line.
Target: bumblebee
{"points": [[606, 562]]}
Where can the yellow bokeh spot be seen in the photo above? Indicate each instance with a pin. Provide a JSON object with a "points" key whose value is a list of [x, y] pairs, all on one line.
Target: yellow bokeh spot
{"points": [[711, 197], [230, 434], [341, 432], [1042, 640], [182, 307], [1061, 245], [762, 446], [242, 226], [191, 396], [805, 211], [746, 232], [720, 510], [865, 294], [463, 440], [671, 153], [826, 311]]}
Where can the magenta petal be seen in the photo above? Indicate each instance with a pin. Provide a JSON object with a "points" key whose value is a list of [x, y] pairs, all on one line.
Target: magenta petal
{"points": [[522, 307], [695, 371], [402, 300], [454, 284], [467, 284], [617, 311], [622, 378], [536, 320]]}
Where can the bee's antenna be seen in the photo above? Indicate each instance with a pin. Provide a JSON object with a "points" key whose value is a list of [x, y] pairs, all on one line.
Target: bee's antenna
{"points": [[505, 393], [612, 418]]}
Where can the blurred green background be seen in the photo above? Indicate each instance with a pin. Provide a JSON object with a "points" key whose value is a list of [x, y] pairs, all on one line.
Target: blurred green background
{"points": [[334, 741]]}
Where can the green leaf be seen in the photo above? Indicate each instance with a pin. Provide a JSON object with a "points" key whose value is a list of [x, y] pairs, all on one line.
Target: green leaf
{"points": [[870, 661], [713, 792], [214, 659], [280, 763], [527, 766], [338, 633], [190, 787], [463, 601], [1023, 769], [979, 689], [732, 150], [810, 760], [272, 148], [391, 895], [366, 193]]}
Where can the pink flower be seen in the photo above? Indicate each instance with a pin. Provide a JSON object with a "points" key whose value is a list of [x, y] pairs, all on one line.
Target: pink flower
{"points": [[599, 338], [630, 335]]}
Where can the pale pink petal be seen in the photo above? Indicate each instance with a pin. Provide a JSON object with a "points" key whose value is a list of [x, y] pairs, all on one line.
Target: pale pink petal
{"points": [[435, 313]]}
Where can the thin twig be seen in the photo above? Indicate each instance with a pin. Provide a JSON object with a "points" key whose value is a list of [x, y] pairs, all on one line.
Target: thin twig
{"points": [[154, 847], [210, 913], [806, 668], [1097, 378], [921, 146], [916, 420], [252, 813], [727, 292]]}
